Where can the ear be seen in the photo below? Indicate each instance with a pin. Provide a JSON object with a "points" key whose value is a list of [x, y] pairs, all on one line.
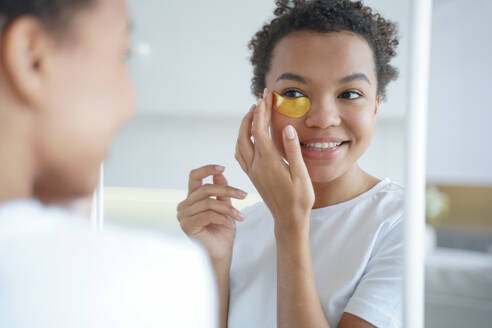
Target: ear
{"points": [[378, 102], [23, 48]]}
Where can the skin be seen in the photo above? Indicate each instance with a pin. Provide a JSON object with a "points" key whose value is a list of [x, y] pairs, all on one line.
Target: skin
{"points": [[63, 96], [341, 106]]}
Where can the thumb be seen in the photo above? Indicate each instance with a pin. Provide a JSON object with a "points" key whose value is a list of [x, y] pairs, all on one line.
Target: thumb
{"points": [[293, 152]]}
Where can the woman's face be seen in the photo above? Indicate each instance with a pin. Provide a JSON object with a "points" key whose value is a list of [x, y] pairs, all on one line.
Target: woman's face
{"points": [[87, 97], [336, 71]]}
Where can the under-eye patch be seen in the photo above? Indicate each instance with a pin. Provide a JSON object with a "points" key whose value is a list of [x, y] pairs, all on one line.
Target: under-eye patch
{"points": [[291, 107]]}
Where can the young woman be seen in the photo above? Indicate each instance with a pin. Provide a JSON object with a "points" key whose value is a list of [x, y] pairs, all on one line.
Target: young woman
{"points": [[324, 248], [64, 92]]}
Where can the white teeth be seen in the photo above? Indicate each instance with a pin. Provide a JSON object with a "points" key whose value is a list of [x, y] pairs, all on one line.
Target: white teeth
{"points": [[323, 145]]}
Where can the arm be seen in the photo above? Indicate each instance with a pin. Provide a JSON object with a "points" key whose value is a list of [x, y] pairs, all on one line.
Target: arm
{"points": [[211, 222], [298, 303], [221, 269], [349, 320]]}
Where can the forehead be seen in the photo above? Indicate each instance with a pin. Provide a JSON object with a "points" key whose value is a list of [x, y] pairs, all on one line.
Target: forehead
{"points": [[322, 55]]}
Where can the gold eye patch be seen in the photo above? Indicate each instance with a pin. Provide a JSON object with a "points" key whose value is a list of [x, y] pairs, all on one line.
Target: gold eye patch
{"points": [[291, 107]]}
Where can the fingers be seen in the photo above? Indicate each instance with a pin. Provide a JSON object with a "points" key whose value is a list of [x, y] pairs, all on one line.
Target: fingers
{"points": [[197, 176], [201, 199], [194, 224], [213, 190], [293, 153], [259, 130], [209, 203], [214, 205], [261, 122], [244, 146], [221, 181], [268, 97]]}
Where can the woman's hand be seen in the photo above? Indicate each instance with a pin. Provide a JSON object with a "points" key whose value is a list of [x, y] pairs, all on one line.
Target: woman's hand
{"points": [[286, 188], [207, 214]]}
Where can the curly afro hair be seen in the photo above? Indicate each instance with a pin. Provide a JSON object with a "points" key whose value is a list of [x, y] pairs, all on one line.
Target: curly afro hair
{"points": [[326, 16]]}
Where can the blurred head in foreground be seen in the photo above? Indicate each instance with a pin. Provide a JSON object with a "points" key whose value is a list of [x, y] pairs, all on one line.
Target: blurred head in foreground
{"points": [[64, 92]]}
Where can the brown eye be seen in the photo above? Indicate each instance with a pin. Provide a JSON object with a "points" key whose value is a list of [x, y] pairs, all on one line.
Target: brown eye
{"points": [[350, 95], [293, 94]]}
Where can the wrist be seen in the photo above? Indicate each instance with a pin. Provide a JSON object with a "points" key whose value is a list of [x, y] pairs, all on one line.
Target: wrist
{"points": [[292, 230], [219, 256], [221, 264]]}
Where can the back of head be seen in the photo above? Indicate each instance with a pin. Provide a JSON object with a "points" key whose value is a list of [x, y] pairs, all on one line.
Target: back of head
{"points": [[65, 91], [48, 11]]}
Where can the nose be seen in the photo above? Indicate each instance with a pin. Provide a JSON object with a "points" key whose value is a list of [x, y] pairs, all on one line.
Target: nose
{"points": [[323, 115]]}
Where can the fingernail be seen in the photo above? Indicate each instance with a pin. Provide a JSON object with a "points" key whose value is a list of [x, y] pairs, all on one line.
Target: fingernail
{"points": [[219, 168], [265, 91], [252, 108], [289, 132], [242, 194]]}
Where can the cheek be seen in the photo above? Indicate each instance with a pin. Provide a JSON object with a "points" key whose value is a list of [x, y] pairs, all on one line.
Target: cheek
{"points": [[123, 99], [98, 99], [278, 123], [110, 93], [361, 128], [86, 104]]}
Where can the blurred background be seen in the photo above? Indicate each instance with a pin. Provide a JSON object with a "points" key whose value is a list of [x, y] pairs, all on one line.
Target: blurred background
{"points": [[191, 67]]}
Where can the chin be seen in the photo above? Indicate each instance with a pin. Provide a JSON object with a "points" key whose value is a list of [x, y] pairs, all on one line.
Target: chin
{"points": [[56, 186], [85, 185], [323, 174]]}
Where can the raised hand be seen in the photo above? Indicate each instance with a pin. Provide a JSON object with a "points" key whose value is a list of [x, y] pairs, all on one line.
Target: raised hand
{"points": [[286, 188], [207, 214]]}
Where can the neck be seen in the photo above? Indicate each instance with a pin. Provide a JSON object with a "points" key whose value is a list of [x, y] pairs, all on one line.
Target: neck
{"points": [[351, 184], [17, 167]]}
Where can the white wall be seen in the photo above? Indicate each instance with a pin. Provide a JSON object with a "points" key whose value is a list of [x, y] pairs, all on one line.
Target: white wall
{"points": [[460, 114], [199, 61]]}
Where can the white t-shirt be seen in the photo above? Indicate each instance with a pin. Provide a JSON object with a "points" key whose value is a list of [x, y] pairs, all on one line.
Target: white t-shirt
{"points": [[357, 251], [57, 272]]}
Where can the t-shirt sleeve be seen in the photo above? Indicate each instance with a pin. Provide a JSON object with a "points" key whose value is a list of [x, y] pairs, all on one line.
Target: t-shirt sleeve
{"points": [[378, 296]]}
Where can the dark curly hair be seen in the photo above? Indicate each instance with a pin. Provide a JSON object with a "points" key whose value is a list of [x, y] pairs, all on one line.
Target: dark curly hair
{"points": [[54, 14], [326, 16]]}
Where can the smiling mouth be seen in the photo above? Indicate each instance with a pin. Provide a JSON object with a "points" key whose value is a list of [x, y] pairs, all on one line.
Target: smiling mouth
{"points": [[323, 146]]}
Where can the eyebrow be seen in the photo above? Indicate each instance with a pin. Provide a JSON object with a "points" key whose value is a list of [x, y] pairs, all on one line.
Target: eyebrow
{"points": [[346, 79], [356, 76], [292, 77]]}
